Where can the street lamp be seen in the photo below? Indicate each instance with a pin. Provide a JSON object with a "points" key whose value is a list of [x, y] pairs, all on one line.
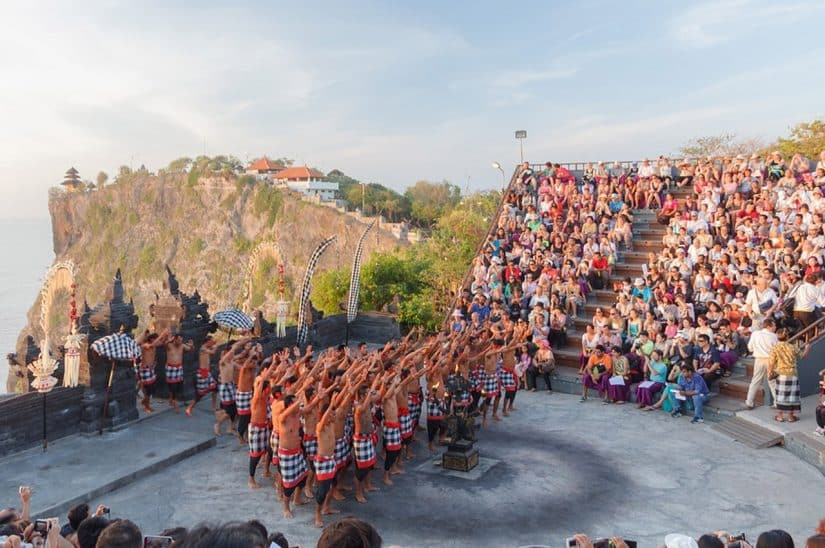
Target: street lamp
{"points": [[497, 166], [521, 135]]}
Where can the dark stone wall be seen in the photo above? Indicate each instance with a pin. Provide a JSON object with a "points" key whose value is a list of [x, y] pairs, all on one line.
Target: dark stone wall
{"points": [[21, 418]]}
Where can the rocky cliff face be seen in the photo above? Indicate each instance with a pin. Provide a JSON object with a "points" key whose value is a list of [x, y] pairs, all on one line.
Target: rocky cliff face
{"points": [[205, 230]]}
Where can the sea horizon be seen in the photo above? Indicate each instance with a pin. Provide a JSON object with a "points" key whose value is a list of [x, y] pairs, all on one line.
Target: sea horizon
{"points": [[28, 247]]}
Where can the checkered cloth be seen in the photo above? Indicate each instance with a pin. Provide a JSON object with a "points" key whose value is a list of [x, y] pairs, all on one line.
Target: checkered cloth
{"points": [[257, 435], [243, 402], [405, 419], [174, 373], [414, 403], [508, 379], [364, 449], [788, 397], [325, 468], [310, 444], [146, 374], [463, 399], [349, 426], [204, 382], [476, 376], [293, 466], [226, 392], [435, 409], [118, 346], [392, 436], [490, 384], [342, 453], [233, 319], [274, 442]]}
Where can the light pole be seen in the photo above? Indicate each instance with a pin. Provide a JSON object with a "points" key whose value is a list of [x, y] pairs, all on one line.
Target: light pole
{"points": [[521, 135], [363, 198], [497, 166]]}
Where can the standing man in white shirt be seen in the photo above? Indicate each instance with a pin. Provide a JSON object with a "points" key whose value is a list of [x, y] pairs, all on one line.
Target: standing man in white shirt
{"points": [[760, 344], [806, 297]]}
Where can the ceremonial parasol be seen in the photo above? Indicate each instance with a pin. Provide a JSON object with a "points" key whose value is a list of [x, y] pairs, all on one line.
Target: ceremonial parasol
{"points": [[116, 347], [232, 319]]}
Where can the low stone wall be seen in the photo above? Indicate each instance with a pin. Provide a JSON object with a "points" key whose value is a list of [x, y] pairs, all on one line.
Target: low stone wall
{"points": [[21, 418]]}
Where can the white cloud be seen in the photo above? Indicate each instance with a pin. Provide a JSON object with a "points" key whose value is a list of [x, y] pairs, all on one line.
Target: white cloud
{"points": [[709, 23]]}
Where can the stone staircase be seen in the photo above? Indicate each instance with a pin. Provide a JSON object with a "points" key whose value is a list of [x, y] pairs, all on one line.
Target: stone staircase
{"points": [[728, 394]]}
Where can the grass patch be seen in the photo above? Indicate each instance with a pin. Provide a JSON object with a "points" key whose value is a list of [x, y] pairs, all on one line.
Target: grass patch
{"points": [[268, 201]]}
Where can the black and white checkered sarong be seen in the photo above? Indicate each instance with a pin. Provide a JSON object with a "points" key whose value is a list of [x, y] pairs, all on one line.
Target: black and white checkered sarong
{"points": [[310, 444], [174, 373], [226, 392], [342, 453], [392, 436], [257, 438], [293, 466], [364, 451], [788, 397], [204, 382], [243, 402], [325, 467]]}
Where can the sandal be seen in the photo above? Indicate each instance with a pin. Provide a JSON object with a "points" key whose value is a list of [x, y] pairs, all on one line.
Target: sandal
{"points": [[793, 418], [779, 418]]}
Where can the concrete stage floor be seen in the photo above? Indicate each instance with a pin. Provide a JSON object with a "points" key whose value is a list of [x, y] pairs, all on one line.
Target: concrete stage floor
{"points": [[555, 467]]}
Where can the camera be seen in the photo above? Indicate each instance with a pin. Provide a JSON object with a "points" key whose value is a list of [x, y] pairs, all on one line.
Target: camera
{"points": [[41, 526], [153, 541]]}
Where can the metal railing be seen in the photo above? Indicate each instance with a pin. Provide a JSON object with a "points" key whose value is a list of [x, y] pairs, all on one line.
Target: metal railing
{"points": [[466, 281], [810, 334]]}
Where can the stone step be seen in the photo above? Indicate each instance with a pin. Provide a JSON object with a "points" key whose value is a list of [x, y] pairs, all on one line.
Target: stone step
{"points": [[738, 388], [622, 270], [808, 447], [748, 433], [649, 234]]}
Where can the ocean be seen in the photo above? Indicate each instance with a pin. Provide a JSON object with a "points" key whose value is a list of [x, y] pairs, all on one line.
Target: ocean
{"points": [[27, 254]]}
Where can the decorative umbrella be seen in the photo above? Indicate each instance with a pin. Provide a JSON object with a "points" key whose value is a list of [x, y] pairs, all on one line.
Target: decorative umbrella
{"points": [[233, 319], [118, 346]]}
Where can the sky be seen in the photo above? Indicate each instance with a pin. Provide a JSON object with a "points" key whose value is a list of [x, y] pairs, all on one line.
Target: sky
{"points": [[391, 92]]}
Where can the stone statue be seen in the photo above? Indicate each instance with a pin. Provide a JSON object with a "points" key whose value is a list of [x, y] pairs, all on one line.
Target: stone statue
{"points": [[282, 311], [460, 424]]}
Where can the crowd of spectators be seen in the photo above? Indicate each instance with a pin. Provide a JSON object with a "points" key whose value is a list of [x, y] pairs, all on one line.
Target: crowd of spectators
{"points": [[83, 529], [775, 538], [742, 253]]}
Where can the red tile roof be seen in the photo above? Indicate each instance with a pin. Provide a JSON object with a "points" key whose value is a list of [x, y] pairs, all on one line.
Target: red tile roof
{"points": [[264, 164], [299, 174]]}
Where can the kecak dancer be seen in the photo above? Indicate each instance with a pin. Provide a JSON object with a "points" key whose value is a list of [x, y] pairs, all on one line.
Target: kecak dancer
{"points": [[174, 367], [259, 426], [226, 388], [204, 381], [246, 380], [146, 369], [392, 430], [365, 437], [325, 468]]}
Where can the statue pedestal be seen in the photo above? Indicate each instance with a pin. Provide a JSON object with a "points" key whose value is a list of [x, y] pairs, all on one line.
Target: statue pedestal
{"points": [[461, 456]]}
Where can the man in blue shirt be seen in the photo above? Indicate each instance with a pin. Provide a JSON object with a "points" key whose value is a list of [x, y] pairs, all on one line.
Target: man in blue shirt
{"points": [[691, 385]]}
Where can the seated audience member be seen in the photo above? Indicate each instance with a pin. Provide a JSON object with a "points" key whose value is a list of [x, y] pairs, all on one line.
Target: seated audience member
{"points": [[692, 386], [349, 532], [121, 533], [89, 531], [596, 373], [656, 374]]}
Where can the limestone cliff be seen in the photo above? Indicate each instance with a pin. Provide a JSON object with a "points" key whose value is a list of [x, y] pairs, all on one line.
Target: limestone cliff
{"points": [[204, 229]]}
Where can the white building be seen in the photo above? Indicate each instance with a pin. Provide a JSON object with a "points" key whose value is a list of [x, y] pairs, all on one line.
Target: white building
{"points": [[307, 181]]}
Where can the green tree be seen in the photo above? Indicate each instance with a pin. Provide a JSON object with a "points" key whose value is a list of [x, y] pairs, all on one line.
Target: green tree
{"points": [[123, 174], [419, 310], [102, 177], [725, 144], [330, 290], [179, 165], [387, 275], [429, 201], [807, 138]]}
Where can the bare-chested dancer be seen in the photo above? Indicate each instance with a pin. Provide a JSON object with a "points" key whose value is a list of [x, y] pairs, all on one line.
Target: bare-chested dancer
{"points": [[226, 389], [325, 463], [259, 426], [392, 430], [292, 463], [174, 367], [146, 370], [204, 381], [243, 396]]}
